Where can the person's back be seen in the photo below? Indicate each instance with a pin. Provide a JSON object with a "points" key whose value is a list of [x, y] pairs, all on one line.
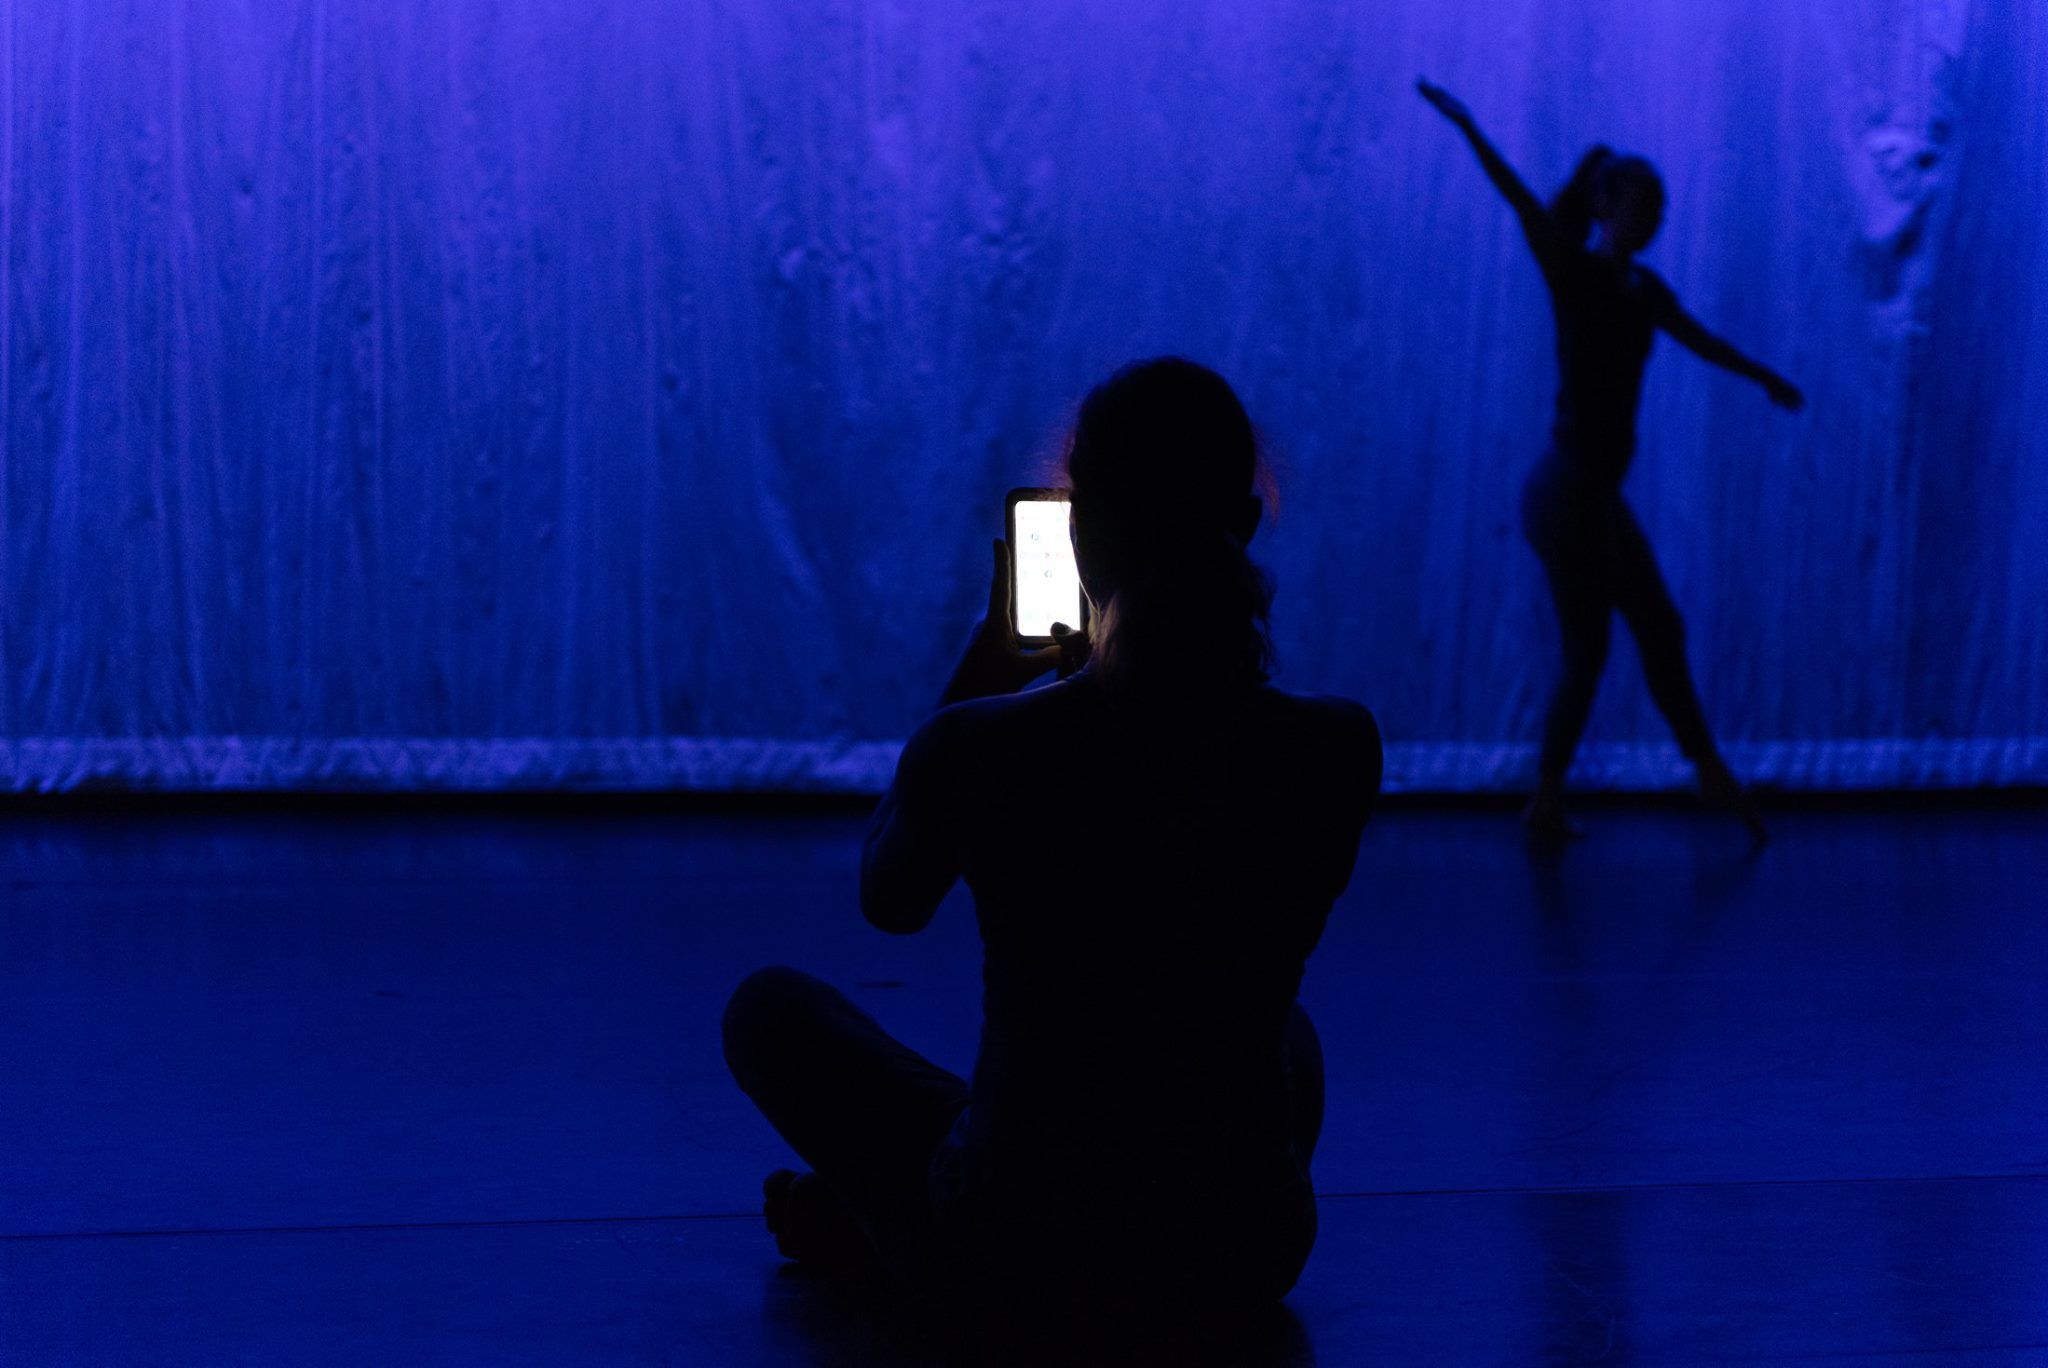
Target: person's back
{"points": [[1148, 894]]}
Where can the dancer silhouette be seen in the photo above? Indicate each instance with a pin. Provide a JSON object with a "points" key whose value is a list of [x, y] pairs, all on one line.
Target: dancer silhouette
{"points": [[1609, 308], [1153, 844]]}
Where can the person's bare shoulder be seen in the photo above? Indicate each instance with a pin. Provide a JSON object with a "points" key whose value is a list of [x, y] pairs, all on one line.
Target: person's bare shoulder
{"points": [[970, 734], [1329, 730]]}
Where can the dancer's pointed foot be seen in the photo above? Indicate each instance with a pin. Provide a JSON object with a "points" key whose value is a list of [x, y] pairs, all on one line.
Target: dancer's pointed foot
{"points": [[1546, 820], [806, 1221], [1722, 791]]}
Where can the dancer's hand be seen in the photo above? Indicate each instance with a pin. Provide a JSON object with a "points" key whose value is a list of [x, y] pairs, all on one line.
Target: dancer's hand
{"points": [[994, 663], [1784, 394], [1447, 104]]}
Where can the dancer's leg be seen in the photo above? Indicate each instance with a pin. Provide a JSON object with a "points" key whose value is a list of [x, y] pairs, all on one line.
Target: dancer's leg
{"points": [[1653, 619], [1584, 618], [1569, 525]]}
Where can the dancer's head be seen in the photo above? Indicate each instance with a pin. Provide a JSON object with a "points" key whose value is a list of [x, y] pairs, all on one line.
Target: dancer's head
{"points": [[1163, 461], [1618, 200]]}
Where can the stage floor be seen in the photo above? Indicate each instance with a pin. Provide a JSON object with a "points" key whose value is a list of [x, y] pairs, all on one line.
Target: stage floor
{"points": [[445, 1088]]}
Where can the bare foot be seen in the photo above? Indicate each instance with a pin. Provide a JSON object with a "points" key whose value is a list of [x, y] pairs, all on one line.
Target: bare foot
{"points": [[1722, 791], [806, 1221]]}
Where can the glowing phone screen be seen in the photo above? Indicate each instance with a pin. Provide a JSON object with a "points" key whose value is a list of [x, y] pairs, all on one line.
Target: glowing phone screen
{"points": [[1048, 586]]}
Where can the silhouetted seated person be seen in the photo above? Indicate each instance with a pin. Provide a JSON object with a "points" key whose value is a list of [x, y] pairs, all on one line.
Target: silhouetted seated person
{"points": [[1153, 844]]}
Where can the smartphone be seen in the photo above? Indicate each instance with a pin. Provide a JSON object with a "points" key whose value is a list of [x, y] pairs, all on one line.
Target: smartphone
{"points": [[1045, 584]]}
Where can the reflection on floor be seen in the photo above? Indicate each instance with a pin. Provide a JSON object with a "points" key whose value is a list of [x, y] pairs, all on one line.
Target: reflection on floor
{"points": [[343, 1088]]}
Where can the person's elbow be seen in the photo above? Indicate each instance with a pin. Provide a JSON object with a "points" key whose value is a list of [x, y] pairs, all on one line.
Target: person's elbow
{"points": [[897, 915], [889, 902]]}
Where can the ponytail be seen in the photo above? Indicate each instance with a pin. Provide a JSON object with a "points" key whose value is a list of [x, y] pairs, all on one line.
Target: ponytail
{"points": [[1163, 461], [1571, 208], [1192, 618]]}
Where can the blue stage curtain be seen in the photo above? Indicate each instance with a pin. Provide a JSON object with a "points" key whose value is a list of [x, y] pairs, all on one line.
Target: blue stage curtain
{"points": [[484, 394]]}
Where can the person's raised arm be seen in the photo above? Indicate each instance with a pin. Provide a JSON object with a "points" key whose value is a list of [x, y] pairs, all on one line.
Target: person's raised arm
{"points": [[1535, 219], [1694, 336], [912, 857]]}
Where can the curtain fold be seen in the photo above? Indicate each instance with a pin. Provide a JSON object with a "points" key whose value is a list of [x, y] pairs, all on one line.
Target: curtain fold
{"points": [[470, 395]]}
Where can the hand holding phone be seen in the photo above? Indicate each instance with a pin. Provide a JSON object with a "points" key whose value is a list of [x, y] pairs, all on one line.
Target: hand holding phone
{"points": [[1045, 581], [1035, 587]]}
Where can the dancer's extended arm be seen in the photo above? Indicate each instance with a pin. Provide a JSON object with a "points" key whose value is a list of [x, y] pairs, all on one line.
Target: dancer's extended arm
{"points": [[1695, 337]]}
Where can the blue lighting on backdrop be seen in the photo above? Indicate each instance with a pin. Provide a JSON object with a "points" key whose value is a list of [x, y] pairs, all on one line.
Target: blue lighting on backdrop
{"points": [[480, 395]]}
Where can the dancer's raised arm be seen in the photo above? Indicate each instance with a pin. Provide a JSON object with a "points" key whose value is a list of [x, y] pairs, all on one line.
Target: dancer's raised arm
{"points": [[1537, 224]]}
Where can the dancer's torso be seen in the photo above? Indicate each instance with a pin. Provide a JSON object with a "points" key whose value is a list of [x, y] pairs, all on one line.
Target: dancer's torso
{"points": [[1607, 317]]}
